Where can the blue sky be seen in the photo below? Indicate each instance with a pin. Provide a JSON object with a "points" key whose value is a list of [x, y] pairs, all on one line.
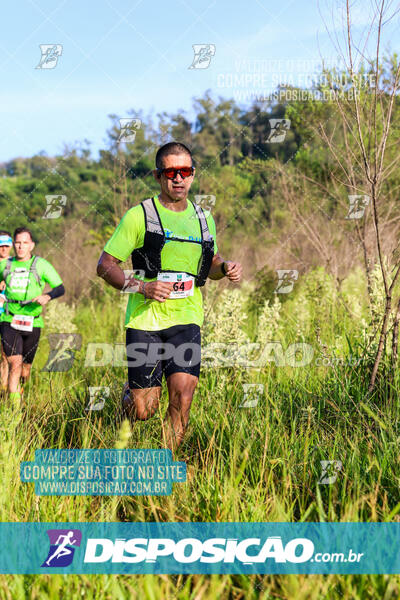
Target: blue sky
{"points": [[121, 55]]}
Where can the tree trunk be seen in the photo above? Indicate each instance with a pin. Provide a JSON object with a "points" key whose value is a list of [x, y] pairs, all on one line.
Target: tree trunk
{"points": [[395, 338], [381, 345]]}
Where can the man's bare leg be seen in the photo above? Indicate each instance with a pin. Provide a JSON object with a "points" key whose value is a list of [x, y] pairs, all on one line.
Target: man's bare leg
{"points": [[14, 379], [3, 370], [25, 374], [15, 372], [142, 403], [181, 387]]}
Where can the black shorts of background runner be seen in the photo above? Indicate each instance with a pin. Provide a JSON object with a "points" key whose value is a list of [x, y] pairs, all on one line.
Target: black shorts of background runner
{"points": [[16, 342], [143, 348]]}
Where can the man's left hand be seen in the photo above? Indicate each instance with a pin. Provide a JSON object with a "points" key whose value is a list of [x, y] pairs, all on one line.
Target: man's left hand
{"points": [[42, 300], [233, 270]]}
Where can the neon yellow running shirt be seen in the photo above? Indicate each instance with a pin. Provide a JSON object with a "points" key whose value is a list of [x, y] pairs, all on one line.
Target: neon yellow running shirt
{"points": [[22, 285], [151, 315]]}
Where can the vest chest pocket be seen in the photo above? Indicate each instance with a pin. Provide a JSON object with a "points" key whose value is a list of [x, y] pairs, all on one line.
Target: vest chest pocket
{"points": [[19, 280]]}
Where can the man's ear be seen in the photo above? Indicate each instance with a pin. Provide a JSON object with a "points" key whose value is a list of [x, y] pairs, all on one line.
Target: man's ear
{"points": [[156, 174]]}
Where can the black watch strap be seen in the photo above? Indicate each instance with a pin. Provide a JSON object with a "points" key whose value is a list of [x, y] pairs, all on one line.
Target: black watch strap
{"points": [[223, 268]]}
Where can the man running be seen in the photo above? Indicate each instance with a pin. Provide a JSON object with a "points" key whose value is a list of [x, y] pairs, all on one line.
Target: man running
{"points": [[62, 548], [25, 276], [173, 244], [5, 250]]}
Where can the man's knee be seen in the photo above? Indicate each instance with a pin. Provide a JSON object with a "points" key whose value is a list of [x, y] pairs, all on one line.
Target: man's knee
{"points": [[15, 362], [181, 399]]}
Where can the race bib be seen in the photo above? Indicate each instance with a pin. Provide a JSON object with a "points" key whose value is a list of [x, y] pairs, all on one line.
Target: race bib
{"points": [[183, 284], [22, 322]]}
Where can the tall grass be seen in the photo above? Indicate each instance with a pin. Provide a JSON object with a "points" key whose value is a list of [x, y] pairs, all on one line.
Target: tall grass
{"points": [[244, 464]]}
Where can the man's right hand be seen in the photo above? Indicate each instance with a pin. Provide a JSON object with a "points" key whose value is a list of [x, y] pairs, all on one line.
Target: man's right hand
{"points": [[157, 290]]}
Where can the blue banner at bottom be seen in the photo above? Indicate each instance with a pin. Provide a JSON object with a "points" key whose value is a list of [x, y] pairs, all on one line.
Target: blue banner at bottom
{"points": [[175, 548]]}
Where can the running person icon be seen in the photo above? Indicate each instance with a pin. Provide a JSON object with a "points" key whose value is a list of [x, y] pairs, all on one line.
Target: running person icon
{"points": [[173, 243], [62, 550]]}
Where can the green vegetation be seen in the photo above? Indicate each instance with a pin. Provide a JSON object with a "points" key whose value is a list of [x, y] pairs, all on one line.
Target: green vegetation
{"points": [[278, 206], [244, 464]]}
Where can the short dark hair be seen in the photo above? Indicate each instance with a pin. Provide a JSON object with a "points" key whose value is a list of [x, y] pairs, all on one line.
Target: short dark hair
{"points": [[4, 232], [23, 230], [171, 148]]}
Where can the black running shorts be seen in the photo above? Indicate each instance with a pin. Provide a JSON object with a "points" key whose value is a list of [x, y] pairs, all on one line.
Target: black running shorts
{"points": [[151, 354], [17, 342]]}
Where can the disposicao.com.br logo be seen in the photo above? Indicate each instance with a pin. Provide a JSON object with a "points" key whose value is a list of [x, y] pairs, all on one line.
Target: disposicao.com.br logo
{"points": [[204, 548]]}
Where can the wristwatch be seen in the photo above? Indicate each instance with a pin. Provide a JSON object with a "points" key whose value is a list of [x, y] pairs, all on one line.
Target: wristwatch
{"points": [[223, 269]]}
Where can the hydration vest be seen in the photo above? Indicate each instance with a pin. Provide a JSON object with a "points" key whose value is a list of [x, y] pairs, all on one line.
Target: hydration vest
{"points": [[148, 257], [6, 273]]}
